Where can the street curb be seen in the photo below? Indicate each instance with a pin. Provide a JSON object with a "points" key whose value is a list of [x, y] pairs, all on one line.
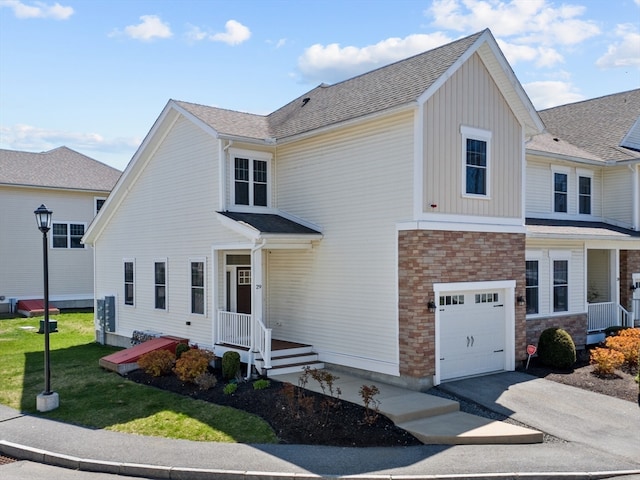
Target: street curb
{"points": [[22, 452]]}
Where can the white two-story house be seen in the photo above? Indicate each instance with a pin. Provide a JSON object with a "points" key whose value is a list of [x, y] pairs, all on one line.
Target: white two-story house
{"points": [[378, 222]]}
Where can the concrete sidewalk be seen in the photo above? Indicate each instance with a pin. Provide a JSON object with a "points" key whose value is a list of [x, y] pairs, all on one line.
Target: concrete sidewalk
{"points": [[45, 441]]}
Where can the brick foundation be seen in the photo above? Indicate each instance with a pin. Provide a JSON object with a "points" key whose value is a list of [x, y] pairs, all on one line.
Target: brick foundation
{"points": [[575, 325], [426, 257]]}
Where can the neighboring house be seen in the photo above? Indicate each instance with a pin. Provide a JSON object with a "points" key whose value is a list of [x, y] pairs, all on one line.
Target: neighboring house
{"points": [[583, 218], [74, 187], [380, 220]]}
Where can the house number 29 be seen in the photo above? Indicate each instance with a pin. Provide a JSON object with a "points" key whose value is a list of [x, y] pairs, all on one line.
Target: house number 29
{"points": [[258, 287]]}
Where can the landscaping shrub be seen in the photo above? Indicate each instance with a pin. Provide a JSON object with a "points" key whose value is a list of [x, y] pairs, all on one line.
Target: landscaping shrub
{"points": [[180, 349], [261, 384], [157, 362], [556, 348], [230, 364], [605, 360], [206, 381], [193, 363], [230, 388], [627, 342]]}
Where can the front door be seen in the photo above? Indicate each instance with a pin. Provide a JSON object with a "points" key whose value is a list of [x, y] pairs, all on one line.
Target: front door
{"points": [[243, 290]]}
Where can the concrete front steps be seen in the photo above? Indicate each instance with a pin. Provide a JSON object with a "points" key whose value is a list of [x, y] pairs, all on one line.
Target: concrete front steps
{"points": [[431, 419]]}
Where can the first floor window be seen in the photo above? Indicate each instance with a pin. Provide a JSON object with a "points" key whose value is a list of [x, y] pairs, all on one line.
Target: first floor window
{"points": [[197, 287], [584, 195], [532, 286], [560, 192], [129, 280], [67, 235], [160, 275], [560, 286]]}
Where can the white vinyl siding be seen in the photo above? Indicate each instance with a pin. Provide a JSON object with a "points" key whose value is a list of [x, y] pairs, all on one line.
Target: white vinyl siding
{"points": [[618, 196], [339, 296], [470, 98], [70, 270]]}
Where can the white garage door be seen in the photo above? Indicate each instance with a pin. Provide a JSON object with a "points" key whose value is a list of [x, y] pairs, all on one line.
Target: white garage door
{"points": [[472, 333]]}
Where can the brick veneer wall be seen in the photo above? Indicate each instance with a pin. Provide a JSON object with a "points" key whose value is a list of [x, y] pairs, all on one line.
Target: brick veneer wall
{"points": [[426, 257], [629, 264], [575, 325]]}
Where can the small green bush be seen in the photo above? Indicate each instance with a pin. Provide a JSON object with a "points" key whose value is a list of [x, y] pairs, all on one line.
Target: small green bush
{"points": [[157, 362], [556, 348], [230, 364], [261, 384], [230, 388], [180, 349]]}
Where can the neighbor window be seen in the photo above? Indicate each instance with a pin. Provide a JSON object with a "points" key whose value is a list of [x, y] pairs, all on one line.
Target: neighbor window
{"points": [[560, 185], [99, 202], [532, 287], [251, 179], [476, 147], [160, 276], [584, 195], [129, 282], [197, 287], [67, 235], [560, 285]]}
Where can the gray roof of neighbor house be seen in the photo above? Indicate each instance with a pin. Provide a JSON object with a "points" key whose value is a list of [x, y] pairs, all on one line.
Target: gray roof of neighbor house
{"points": [[385, 88], [597, 126], [58, 168]]}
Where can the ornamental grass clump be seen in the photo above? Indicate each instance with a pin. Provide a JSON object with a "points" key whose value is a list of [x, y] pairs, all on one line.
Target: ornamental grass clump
{"points": [[157, 362], [556, 348], [192, 364]]}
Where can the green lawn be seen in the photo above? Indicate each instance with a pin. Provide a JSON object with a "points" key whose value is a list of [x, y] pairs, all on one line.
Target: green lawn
{"points": [[94, 397]]}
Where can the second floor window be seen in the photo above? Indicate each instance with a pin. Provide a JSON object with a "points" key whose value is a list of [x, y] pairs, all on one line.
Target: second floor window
{"points": [[584, 195], [560, 192], [250, 182], [67, 235], [476, 167]]}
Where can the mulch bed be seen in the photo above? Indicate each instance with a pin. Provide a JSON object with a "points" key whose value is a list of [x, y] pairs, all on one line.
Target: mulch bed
{"points": [[316, 420]]}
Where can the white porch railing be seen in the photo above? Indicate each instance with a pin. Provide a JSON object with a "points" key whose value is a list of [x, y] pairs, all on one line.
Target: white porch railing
{"points": [[608, 314], [240, 330]]}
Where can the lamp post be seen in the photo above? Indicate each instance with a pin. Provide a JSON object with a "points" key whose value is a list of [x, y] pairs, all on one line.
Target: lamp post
{"points": [[47, 400]]}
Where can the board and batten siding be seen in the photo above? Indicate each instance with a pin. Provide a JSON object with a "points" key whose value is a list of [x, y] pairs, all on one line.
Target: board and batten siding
{"points": [[470, 98], [618, 196], [169, 215], [341, 296], [70, 269]]}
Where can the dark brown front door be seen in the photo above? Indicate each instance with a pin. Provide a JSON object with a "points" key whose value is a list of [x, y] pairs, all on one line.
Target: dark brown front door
{"points": [[243, 290]]}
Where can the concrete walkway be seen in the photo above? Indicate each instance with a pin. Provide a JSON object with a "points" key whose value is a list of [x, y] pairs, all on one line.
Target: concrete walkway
{"points": [[582, 452]]}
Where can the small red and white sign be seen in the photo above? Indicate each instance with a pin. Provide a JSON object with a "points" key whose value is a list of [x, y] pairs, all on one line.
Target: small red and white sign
{"points": [[531, 349]]}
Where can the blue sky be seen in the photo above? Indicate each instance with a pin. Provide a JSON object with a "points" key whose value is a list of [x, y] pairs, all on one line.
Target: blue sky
{"points": [[94, 74]]}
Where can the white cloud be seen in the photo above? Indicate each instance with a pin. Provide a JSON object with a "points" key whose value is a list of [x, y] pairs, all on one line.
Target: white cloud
{"points": [[530, 30], [38, 10], [30, 138], [547, 94], [235, 33], [626, 52], [331, 63], [150, 28]]}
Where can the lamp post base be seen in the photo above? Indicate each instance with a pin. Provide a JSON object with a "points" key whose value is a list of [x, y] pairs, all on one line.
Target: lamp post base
{"points": [[46, 403]]}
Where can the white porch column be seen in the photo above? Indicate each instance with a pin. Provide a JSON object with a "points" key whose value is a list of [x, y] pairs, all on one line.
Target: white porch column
{"points": [[257, 282]]}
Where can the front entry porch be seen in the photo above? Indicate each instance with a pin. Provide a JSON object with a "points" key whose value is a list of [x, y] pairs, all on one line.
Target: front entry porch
{"points": [[242, 333]]}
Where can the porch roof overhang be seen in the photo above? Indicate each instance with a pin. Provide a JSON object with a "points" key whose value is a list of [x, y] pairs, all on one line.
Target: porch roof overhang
{"points": [[272, 230], [578, 230]]}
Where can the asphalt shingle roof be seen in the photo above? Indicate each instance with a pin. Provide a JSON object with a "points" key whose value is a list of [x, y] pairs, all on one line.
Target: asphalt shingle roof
{"points": [[57, 168], [269, 223], [597, 126], [394, 85], [575, 228]]}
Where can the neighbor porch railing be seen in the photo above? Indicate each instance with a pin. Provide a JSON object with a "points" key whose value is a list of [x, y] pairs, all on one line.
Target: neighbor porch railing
{"points": [[636, 311], [241, 330], [607, 314]]}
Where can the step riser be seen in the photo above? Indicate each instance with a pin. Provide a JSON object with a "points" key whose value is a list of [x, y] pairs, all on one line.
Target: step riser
{"points": [[295, 369], [277, 361], [292, 351]]}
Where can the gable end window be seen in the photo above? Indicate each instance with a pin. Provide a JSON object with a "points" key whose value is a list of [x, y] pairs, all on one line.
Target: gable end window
{"points": [[250, 178], [67, 235], [476, 145], [129, 282], [160, 285]]}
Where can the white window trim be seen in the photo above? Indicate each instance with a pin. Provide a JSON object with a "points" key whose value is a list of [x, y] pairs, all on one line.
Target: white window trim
{"points": [[482, 135], [565, 171], [251, 155], [559, 255], [202, 260], [166, 284], [587, 174], [68, 224], [124, 296]]}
